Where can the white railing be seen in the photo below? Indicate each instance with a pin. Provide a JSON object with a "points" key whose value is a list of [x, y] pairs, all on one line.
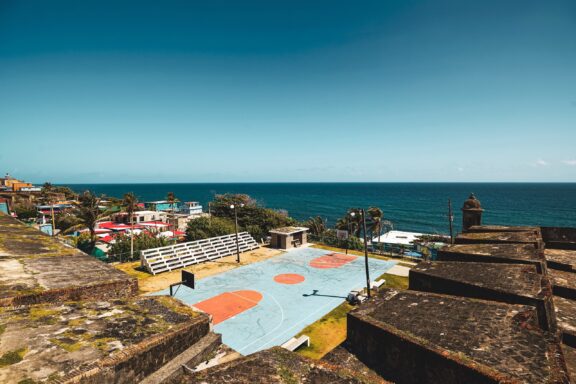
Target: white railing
{"points": [[163, 259]]}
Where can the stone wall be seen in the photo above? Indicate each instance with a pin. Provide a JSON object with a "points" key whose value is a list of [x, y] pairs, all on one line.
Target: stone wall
{"points": [[400, 359], [559, 237], [99, 291], [543, 302], [134, 363]]}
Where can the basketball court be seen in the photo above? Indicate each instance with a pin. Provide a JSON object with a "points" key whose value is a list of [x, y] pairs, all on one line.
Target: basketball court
{"points": [[264, 304]]}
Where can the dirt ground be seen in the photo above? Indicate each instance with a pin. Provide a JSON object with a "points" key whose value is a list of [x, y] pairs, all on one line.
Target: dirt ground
{"points": [[152, 283]]}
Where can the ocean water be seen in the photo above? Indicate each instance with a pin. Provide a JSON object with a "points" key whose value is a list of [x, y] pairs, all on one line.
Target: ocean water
{"points": [[418, 207]]}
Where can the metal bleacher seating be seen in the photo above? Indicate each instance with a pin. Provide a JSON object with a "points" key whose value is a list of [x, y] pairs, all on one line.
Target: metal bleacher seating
{"points": [[163, 259]]}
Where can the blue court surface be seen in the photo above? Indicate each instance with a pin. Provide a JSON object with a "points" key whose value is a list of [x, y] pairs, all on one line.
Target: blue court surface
{"points": [[284, 309]]}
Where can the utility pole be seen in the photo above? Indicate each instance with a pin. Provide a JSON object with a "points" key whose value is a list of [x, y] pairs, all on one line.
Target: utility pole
{"points": [[233, 206], [52, 214], [366, 252], [363, 213], [450, 221]]}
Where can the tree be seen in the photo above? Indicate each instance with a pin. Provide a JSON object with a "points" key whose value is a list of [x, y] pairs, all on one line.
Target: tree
{"points": [[25, 210], [350, 223], [126, 245], [88, 213], [130, 205], [254, 218], [376, 215], [203, 228], [317, 225], [172, 200]]}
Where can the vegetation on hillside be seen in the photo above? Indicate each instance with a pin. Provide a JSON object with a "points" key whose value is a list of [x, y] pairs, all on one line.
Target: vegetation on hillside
{"points": [[120, 250]]}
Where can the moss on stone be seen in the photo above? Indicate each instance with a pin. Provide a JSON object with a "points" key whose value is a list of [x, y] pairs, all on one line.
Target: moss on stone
{"points": [[12, 357], [287, 376], [27, 381], [66, 345], [40, 313]]}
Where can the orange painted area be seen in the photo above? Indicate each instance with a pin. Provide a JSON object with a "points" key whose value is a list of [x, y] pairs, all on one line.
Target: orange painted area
{"points": [[289, 278], [332, 260], [229, 304]]}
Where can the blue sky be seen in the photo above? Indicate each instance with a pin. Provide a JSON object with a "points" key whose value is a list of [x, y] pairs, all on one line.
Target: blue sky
{"points": [[229, 91]]}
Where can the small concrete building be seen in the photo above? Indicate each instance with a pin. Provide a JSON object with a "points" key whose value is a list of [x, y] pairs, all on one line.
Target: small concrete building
{"points": [[288, 237]]}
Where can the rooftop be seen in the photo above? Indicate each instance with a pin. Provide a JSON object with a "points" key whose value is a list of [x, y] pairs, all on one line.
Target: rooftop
{"points": [[504, 228], [566, 314], [277, 365], [36, 267], [501, 340], [561, 259], [288, 230], [51, 341], [501, 253], [516, 279], [498, 237], [397, 237]]}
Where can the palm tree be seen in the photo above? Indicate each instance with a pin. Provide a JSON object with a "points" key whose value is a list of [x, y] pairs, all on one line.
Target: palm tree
{"points": [[317, 225], [376, 215], [171, 198], [350, 223], [88, 213], [130, 204]]}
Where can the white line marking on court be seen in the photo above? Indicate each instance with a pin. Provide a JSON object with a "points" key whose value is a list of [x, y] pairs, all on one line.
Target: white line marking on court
{"points": [[273, 330], [294, 325]]}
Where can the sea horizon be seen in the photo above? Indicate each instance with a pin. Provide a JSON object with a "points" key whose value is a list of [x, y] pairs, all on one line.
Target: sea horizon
{"points": [[410, 206]]}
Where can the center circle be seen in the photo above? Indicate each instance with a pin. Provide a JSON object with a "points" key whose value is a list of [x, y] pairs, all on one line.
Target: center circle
{"points": [[289, 278]]}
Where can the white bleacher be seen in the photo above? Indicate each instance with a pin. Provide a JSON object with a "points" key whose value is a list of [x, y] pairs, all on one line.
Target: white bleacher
{"points": [[164, 259]]}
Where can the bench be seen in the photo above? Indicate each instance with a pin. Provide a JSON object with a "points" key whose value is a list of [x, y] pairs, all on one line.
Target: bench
{"points": [[295, 343]]}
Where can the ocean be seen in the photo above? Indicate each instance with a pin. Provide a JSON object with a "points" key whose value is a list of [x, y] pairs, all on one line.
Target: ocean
{"points": [[420, 207]]}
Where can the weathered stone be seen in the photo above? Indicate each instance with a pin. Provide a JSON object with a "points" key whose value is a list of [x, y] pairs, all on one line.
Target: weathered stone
{"points": [[508, 283], [499, 238], [276, 365], [494, 253], [418, 337]]}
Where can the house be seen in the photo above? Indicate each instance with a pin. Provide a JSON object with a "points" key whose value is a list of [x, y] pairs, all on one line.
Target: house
{"points": [[190, 208], [162, 206], [140, 216], [409, 243]]}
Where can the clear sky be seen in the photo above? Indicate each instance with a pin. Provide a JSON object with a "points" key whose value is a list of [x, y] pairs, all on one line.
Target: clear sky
{"points": [[273, 90]]}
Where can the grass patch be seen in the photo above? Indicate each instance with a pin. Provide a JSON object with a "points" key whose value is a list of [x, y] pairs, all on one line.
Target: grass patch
{"points": [[326, 333], [12, 357], [393, 281], [2, 328], [133, 269]]}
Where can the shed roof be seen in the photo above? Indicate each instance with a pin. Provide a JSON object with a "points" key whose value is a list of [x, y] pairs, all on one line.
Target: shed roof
{"points": [[288, 230]]}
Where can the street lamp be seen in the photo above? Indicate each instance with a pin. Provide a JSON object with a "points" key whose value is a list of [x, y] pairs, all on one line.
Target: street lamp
{"points": [[232, 206], [363, 213]]}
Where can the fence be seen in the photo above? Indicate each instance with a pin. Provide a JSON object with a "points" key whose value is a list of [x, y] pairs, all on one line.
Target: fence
{"points": [[171, 257]]}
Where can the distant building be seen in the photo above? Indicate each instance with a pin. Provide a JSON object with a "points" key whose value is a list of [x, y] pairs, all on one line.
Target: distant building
{"points": [[8, 183], [139, 217], [186, 208], [161, 205]]}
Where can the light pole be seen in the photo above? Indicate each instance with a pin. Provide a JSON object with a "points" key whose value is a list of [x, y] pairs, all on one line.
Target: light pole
{"points": [[363, 213], [232, 206]]}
